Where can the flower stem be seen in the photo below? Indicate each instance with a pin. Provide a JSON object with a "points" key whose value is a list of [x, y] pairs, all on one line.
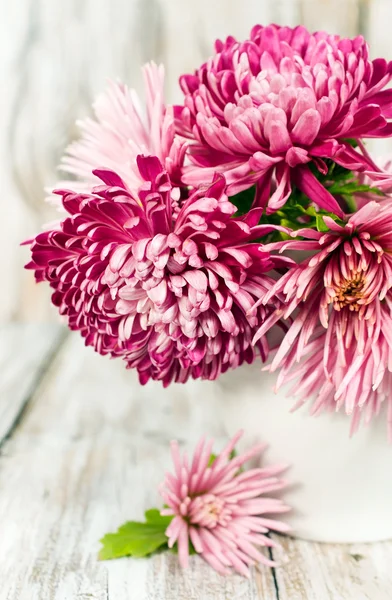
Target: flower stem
{"points": [[350, 203]]}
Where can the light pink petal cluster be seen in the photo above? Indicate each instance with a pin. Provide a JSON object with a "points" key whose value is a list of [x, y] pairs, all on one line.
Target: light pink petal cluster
{"points": [[265, 110], [338, 309], [224, 511], [164, 282], [121, 130]]}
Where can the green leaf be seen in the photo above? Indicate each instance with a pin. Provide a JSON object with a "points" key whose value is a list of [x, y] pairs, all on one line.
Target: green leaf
{"points": [[289, 224], [154, 517], [352, 141], [135, 538], [351, 187], [212, 459], [243, 200], [320, 224], [351, 205]]}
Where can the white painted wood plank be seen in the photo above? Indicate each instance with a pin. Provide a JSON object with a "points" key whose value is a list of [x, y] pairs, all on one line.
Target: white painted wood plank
{"points": [[161, 578], [89, 455], [335, 16], [54, 58], [312, 571], [24, 353]]}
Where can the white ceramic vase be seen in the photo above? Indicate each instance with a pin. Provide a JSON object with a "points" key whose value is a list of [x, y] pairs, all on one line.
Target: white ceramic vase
{"points": [[341, 487]]}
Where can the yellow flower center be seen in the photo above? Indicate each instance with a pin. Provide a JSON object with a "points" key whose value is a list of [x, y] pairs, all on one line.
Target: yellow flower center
{"points": [[349, 291]]}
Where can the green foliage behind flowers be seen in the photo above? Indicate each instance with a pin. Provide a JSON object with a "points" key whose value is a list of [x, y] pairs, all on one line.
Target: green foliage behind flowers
{"points": [[243, 201], [299, 212]]}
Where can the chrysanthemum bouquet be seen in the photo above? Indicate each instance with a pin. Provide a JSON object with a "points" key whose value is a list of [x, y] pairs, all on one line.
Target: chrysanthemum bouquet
{"points": [[191, 231]]}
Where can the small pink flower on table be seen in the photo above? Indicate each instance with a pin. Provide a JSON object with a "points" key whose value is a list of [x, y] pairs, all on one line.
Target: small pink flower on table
{"points": [[221, 508]]}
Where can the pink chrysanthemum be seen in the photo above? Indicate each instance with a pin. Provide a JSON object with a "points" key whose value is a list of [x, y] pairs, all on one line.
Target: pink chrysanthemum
{"points": [[121, 131], [267, 109], [163, 282], [342, 329], [220, 508]]}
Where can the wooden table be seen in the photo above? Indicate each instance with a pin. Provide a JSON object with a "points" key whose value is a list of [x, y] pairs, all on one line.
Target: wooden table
{"points": [[83, 448]]}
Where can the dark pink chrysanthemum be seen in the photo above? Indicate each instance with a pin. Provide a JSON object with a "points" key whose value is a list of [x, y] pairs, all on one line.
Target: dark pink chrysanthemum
{"points": [[267, 109], [221, 509], [121, 130], [341, 334], [163, 282]]}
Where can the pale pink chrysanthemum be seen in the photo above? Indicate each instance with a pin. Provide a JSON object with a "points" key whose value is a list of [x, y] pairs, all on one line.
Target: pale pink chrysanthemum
{"points": [[121, 130], [338, 307], [162, 281], [266, 110], [221, 509]]}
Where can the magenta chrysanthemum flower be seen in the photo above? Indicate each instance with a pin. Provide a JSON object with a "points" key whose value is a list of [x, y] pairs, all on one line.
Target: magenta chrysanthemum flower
{"points": [[121, 131], [163, 282], [267, 109], [221, 509], [342, 330]]}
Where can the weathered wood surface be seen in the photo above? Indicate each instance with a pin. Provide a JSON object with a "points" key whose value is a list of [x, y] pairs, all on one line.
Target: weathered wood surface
{"points": [[314, 571], [56, 56], [87, 454], [25, 352]]}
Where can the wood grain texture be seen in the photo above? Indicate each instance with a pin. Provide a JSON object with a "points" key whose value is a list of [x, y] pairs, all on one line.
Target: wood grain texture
{"points": [[312, 571], [25, 351], [56, 56], [160, 578], [89, 455]]}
